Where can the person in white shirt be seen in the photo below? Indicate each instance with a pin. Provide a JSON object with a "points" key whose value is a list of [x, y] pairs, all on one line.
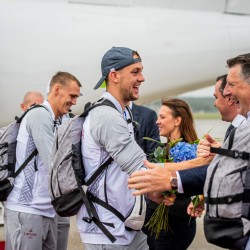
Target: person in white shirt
{"points": [[107, 133], [238, 90], [30, 217]]}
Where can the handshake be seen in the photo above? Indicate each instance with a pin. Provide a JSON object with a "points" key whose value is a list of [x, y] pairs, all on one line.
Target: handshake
{"points": [[159, 179]]}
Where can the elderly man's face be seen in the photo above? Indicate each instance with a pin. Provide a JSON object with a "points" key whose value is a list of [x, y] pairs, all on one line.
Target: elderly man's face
{"points": [[238, 89]]}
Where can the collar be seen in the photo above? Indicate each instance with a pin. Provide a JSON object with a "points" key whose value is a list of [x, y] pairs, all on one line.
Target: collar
{"points": [[48, 106], [238, 120], [131, 104], [248, 116], [108, 96]]}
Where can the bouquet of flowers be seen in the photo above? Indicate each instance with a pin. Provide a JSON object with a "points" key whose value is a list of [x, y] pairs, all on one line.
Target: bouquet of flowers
{"points": [[177, 151]]}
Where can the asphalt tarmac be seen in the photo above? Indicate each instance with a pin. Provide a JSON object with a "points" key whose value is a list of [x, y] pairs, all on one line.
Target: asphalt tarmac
{"points": [[199, 242], [75, 243]]}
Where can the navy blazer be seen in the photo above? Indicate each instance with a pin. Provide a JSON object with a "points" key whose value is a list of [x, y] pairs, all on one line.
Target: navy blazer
{"points": [[193, 180], [148, 128]]}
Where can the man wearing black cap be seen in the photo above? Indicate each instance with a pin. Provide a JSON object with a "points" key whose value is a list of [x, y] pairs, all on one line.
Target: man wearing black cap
{"points": [[107, 134]]}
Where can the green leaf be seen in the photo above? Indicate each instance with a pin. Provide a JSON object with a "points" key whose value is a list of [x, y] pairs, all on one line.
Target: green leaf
{"points": [[195, 142], [174, 142], [160, 154], [150, 139]]}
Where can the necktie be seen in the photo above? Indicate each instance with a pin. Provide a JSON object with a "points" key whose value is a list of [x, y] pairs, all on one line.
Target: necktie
{"points": [[57, 123], [228, 131]]}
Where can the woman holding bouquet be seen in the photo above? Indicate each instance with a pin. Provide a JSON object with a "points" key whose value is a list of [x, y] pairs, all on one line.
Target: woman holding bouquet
{"points": [[175, 122]]}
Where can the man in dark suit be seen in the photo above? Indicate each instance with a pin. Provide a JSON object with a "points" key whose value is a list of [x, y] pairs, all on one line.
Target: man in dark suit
{"points": [[191, 181], [146, 118]]}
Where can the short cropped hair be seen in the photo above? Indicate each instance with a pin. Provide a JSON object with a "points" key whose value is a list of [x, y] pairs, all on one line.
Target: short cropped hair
{"points": [[223, 80], [63, 78], [244, 61]]}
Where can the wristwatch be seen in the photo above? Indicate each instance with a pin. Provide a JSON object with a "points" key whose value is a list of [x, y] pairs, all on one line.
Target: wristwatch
{"points": [[173, 181]]}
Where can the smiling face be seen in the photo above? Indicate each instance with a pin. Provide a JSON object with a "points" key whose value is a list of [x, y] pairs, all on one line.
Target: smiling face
{"points": [[63, 96], [124, 83], [238, 89], [169, 126], [221, 103], [130, 79]]}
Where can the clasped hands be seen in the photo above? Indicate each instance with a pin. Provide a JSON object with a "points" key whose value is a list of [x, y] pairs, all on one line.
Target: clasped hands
{"points": [[156, 179]]}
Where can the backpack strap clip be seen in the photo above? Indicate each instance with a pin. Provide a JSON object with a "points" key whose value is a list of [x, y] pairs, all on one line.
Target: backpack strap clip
{"points": [[238, 154], [86, 219]]}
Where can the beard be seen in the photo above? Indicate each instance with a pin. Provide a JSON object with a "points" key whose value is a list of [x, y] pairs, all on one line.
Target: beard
{"points": [[129, 96]]}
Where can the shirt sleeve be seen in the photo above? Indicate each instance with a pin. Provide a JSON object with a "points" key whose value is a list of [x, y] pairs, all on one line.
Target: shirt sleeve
{"points": [[179, 183], [109, 128]]}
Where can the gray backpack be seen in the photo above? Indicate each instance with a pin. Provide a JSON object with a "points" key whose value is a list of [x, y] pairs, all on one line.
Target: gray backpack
{"points": [[227, 192], [8, 136], [68, 189]]}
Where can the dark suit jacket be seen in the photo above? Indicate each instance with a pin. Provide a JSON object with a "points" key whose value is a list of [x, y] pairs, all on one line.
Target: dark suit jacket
{"points": [[148, 128], [193, 180]]}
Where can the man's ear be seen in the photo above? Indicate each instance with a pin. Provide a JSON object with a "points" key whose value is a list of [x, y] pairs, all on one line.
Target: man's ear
{"points": [[114, 76], [57, 89], [22, 105]]}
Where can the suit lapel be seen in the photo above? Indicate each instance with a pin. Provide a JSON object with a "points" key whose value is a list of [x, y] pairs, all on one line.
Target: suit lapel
{"points": [[135, 112]]}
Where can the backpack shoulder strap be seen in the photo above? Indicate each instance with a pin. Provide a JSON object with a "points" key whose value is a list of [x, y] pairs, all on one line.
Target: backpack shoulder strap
{"points": [[19, 119], [231, 153], [246, 194], [91, 210], [99, 171], [231, 138], [33, 154], [136, 125], [89, 106]]}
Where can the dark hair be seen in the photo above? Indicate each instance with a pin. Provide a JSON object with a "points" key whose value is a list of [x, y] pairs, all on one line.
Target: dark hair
{"points": [[244, 61], [223, 80], [135, 53], [63, 78], [182, 109]]}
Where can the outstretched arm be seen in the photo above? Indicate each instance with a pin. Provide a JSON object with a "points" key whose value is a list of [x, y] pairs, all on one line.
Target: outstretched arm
{"points": [[154, 179], [194, 163], [157, 178]]}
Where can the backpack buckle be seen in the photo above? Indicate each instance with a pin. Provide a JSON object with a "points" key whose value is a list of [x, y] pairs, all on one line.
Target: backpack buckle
{"points": [[4, 145], [86, 219], [3, 167], [237, 154], [243, 155]]}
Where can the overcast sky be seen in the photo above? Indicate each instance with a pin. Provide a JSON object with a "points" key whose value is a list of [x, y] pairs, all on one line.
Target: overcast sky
{"points": [[204, 92]]}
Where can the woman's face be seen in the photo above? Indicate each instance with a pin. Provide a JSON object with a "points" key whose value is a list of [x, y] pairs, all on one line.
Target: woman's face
{"points": [[166, 122]]}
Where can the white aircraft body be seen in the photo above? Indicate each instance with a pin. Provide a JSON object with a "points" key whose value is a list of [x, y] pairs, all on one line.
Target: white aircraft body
{"points": [[184, 44]]}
